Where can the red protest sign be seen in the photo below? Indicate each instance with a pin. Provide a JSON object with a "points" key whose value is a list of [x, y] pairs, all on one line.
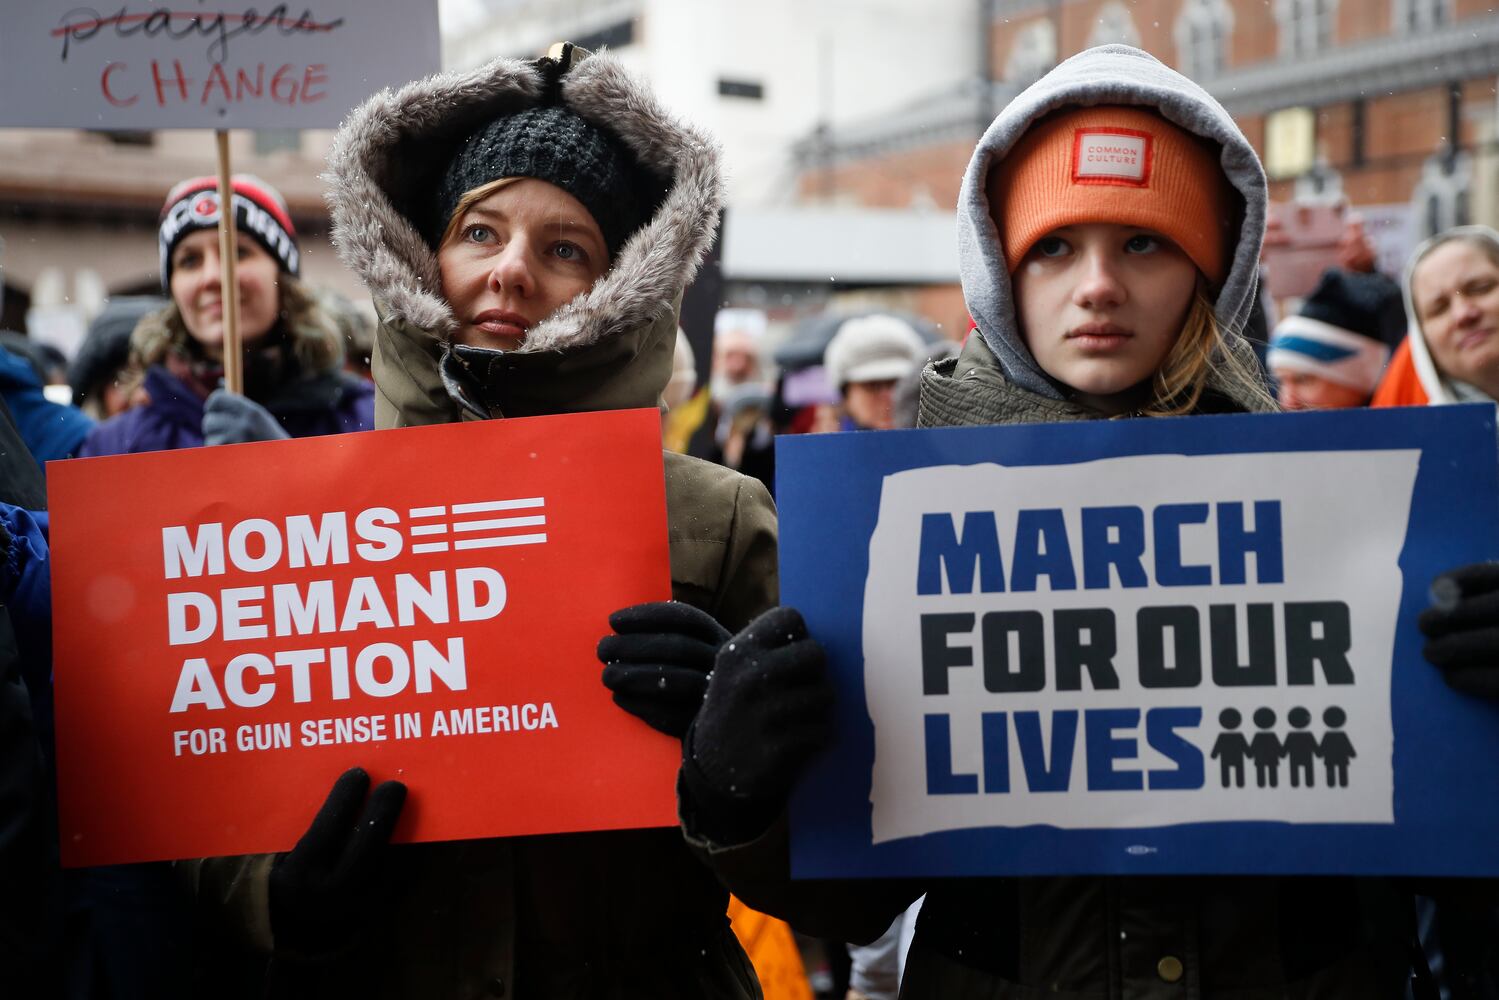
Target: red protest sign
{"points": [[236, 626]]}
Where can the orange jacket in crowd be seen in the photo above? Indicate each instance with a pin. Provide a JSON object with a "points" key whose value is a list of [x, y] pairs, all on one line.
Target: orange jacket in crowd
{"points": [[1401, 386]]}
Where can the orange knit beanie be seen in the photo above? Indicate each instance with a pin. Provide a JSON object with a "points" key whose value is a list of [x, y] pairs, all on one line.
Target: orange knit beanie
{"points": [[1121, 165]]}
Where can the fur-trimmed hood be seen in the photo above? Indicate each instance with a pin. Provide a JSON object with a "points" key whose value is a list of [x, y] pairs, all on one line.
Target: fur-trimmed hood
{"points": [[1107, 74], [609, 347]]}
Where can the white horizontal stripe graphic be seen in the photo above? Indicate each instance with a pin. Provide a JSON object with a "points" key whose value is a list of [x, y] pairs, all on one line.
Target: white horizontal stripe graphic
{"points": [[501, 522], [489, 505], [430, 547], [429, 529], [491, 543], [427, 511]]}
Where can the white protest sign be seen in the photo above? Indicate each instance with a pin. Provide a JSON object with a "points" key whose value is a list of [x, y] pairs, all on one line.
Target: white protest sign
{"points": [[207, 63], [1126, 704]]}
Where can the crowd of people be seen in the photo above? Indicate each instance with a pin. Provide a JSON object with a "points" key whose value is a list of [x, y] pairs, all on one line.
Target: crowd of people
{"points": [[526, 231]]}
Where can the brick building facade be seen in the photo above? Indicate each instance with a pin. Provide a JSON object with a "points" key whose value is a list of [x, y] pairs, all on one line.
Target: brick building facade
{"points": [[1389, 103]]}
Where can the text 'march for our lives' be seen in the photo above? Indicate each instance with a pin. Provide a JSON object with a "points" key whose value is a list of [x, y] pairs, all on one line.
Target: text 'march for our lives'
{"points": [[1176, 646]]}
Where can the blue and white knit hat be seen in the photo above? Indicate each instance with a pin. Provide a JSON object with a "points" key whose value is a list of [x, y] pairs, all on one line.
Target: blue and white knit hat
{"points": [[1340, 333]]}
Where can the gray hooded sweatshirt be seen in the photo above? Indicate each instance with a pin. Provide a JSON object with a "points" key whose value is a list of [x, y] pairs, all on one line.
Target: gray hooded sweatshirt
{"points": [[1086, 937]]}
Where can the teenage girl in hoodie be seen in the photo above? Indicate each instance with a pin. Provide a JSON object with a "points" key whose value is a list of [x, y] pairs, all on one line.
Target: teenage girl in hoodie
{"points": [[1110, 224]]}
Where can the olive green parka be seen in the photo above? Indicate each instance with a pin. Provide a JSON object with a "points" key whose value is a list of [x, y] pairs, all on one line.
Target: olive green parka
{"points": [[620, 914]]}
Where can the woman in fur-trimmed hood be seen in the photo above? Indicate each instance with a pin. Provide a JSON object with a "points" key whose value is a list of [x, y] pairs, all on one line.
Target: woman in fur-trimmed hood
{"points": [[526, 230], [402, 164], [293, 356]]}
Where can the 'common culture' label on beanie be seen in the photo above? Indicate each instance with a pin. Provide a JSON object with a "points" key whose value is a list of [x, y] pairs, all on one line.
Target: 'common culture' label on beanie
{"points": [[1111, 156], [1118, 661]]}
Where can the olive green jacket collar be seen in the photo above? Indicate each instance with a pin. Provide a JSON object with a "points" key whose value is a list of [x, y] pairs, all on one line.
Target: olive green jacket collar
{"points": [[611, 346]]}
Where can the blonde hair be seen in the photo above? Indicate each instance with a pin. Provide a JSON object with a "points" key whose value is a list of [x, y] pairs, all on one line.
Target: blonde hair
{"points": [[470, 198], [1204, 353]]}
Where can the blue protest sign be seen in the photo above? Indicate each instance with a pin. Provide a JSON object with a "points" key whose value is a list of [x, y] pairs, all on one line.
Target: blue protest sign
{"points": [[1143, 646]]}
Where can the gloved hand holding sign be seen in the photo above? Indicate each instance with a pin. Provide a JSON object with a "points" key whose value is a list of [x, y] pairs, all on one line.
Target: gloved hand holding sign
{"points": [[1462, 628], [322, 889], [229, 418], [768, 710], [658, 662]]}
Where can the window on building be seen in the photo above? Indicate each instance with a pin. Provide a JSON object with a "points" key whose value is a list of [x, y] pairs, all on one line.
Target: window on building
{"points": [[1202, 33], [1320, 185], [1033, 52], [1358, 139], [274, 140], [1306, 26], [1442, 198], [1411, 16], [1290, 142], [1113, 24], [741, 88]]}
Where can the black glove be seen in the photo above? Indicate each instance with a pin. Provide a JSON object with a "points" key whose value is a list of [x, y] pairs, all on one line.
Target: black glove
{"points": [[1462, 628], [658, 663], [767, 712], [323, 889]]}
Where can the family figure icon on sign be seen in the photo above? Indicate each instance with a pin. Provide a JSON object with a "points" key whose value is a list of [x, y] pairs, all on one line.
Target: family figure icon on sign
{"points": [[1298, 748]]}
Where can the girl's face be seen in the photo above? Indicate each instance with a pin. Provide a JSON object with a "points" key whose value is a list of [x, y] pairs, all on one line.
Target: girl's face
{"points": [[1101, 305], [199, 292], [514, 258], [1455, 290]]}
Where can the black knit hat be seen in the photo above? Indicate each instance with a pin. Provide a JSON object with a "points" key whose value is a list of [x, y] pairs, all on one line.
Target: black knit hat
{"points": [[1367, 304], [555, 145]]}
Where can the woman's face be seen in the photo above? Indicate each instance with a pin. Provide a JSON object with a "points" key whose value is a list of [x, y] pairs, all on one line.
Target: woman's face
{"points": [[1304, 391], [199, 292], [1101, 305], [871, 404], [516, 257], [1455, 290]]}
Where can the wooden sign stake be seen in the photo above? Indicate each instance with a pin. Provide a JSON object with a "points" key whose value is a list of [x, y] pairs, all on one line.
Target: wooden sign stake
{"points": [[234, 369]]}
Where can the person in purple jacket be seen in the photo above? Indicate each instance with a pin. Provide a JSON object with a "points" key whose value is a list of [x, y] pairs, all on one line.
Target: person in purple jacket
{"points": [[130, 932], [294, 385]]}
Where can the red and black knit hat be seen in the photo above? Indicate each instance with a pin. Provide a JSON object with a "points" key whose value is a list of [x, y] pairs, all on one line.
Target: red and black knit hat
{"points": [[259, 212]]}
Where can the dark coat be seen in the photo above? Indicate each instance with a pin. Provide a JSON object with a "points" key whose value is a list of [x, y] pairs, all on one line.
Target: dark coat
{"points": [[586, 916], [50, 430], [27, 860], [21, 481], [30, 910], [130, 930]]}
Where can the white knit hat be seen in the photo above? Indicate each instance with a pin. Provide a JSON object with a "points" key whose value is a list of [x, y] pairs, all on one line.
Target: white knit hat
{"points": [[873, 349]]}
